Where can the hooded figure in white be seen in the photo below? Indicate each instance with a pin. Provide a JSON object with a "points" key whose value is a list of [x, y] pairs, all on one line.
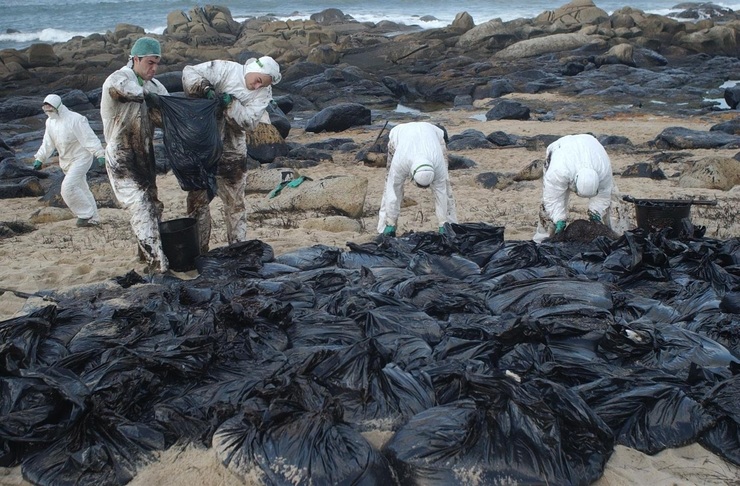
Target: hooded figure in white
{"points": [[575, 163], [416, 151], [244, 92], [128, 125], [70, 134]]}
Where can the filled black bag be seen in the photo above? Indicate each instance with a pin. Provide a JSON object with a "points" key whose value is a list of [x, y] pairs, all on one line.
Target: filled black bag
{"points": [[192, 141]]}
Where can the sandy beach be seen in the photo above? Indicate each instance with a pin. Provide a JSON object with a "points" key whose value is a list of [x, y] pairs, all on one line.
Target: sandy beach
{"points": [[59, 254]]}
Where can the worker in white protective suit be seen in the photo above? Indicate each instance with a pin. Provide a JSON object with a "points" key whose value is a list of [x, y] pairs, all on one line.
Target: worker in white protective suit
{"points": [[69, 133], [128, 125], [244, 92], [579, 164], [416, 151]]}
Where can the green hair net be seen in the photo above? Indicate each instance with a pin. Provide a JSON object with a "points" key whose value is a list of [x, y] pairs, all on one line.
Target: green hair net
{"points": [[146, 46]]}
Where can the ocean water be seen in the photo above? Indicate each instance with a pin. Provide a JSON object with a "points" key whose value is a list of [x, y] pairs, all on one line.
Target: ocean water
{"points": [[24, 22]]}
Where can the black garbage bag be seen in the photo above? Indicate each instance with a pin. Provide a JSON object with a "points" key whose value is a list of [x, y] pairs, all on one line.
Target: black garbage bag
{"points": [[310, 258], [724, 437], [535, 432], [21, 337], [99, 449], [665, 347], [403, 320], [512, 256], [319, 328], [440, 296], [288, 443], [241, 259], [374, 392], [648, 410], [468, 237], [192, 141], [372, 255], [450, 266], [41, 405], [546, 297]]}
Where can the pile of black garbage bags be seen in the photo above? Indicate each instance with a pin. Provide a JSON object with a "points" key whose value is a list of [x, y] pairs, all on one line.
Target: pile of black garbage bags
{"points": [[485, 361]]}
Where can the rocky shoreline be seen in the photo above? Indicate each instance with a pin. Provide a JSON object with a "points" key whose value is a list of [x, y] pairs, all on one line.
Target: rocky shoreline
{"points": [[578, 49]]}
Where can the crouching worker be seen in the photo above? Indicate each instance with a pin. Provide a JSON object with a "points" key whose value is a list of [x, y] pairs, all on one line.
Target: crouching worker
{"points": [[416, 151], [244, 92], [579, 164], [128, 125], [69, 133]]}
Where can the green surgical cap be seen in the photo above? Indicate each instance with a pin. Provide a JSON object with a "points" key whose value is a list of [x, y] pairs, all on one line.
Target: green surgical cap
{"points": [[146, 46]]}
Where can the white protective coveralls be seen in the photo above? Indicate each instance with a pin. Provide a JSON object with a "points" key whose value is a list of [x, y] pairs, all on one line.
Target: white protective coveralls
{"points": [[246, 110], [70, 134], [129, 131], [564, 158], [411, 145]]}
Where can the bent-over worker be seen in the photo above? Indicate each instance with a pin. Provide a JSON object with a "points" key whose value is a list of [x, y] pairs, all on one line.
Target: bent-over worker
{"points": [[578, 164], [416, 151]]}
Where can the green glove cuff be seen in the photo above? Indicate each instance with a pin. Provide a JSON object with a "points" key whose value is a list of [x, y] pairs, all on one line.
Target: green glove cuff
{"points": [[442, 229], [389, 230], [560, 226], [226, 99], [101, 161], [37, 164], [594, 217], [210, 94]]}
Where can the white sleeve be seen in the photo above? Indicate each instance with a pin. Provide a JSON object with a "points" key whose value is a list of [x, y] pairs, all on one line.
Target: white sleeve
{"points": [[602, 200], [87, 137], [47, 147], [393, 195], [554, 190], [249, 110], [123, 88]]}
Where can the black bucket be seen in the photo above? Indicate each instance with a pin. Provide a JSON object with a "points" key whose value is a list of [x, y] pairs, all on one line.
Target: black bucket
{"points": [[658, 214], [655, 216], [180, 243]]}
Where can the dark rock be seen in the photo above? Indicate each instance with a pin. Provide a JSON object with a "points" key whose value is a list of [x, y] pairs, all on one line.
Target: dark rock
{"points": [[329, 144], [20, 107], [508, 110], [10, 168], [457, 162], [732, 96], [171, 80], [684, 138], [731, 126], [306, 153], [8, 229], [339, 117], [469, 139], [502, 139], [27, 187], [644, 169]]}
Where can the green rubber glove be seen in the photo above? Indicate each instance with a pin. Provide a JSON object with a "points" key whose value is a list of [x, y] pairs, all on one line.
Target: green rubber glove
{"points": [[101, 161], [560, 226], [226, 99], [389, 230], [441, 230], [37, 164], [595, 217], [210, 94]]}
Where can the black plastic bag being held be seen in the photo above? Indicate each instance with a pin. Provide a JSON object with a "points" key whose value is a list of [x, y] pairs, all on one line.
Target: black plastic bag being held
{"points": [[192, 141]]}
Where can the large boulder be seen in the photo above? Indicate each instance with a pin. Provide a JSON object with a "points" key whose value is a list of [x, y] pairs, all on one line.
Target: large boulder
{"points": [[343, 195], [548, 44], [712, 173], [338, 118]]}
